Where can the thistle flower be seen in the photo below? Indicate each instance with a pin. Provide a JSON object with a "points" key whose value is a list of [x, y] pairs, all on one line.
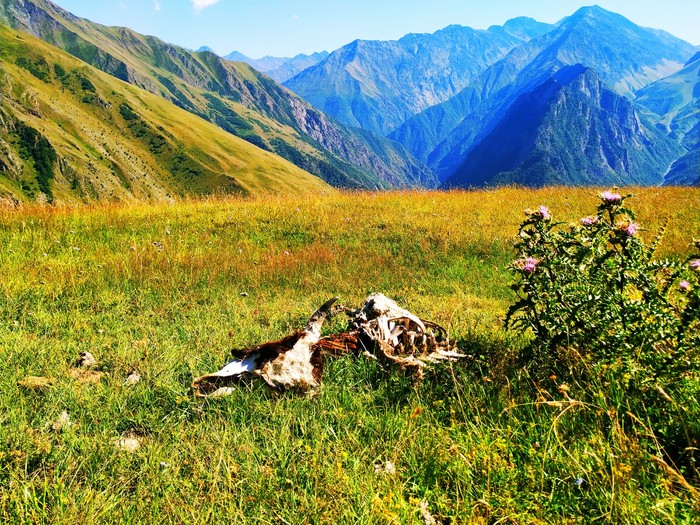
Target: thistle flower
{"points": [[631, 228], [684, 286], [544, 213], [610, 198], [589, 221], [695, 264], [530, 265]]}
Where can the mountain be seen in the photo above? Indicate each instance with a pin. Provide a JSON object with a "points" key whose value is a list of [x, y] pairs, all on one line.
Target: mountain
{"points": [[377, 85], [625, 56], [232, 95], [686, 170], [570, 130], [280, 68], [69, 132], [674, 102]]}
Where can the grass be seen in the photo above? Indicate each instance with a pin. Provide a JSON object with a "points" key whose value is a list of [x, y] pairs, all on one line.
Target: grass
{"points": [[157, 288]]}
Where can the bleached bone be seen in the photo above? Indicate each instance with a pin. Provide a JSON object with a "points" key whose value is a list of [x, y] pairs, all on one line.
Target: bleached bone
{"points": [[380, 306], [291, 362], [400, 337]]}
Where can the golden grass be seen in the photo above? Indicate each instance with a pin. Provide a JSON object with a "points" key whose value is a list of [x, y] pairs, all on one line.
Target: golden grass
{"points": [[156, 287]]}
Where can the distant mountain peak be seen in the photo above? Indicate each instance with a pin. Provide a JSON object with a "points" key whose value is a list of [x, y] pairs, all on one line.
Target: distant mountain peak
{"points": [[524, 27], [205, 48], [593, 16], [592, 10], [235, 56]]}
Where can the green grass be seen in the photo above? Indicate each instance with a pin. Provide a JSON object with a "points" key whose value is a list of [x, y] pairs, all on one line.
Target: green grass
{"points": [[475, 446]]}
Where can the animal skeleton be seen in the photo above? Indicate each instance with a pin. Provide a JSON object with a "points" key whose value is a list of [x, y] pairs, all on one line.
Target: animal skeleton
{"points": [[380, 329]]}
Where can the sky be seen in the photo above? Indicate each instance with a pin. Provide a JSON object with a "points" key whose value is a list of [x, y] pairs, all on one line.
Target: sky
{"points": [[286, 28]]}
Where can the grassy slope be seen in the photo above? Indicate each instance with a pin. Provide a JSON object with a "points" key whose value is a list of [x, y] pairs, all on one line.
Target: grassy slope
{"points": [[93, 137], [94, 279]]}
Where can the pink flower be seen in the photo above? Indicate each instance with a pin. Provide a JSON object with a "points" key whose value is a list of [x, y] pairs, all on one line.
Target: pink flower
{"points": [[530, 265], [610, 198], [544, 213], [684, 286], [630, 228], [695, 264], [589, 221]]}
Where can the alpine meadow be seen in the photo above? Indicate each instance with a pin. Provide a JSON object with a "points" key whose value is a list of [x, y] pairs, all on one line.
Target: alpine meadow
{"points": [[452, 278]]}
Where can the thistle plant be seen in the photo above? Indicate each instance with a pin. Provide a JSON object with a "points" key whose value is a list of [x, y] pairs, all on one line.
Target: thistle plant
{"points": [[601, 305]]}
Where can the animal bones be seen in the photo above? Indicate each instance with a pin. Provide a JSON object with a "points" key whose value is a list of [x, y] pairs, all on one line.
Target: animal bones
{"points": [[380, 329]]}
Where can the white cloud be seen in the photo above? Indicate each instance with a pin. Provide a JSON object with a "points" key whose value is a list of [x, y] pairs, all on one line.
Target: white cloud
{"points": [[198, 5]]}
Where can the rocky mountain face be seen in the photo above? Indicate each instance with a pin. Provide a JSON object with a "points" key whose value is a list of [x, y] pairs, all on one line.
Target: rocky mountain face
{"points": [[570, 130], [633, 57], [673, 102], [232, 95], [280, 69], [377, 85]]}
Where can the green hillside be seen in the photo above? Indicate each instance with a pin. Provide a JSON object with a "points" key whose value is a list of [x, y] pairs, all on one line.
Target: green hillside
{"points": [[232, 95], [71, 132]]}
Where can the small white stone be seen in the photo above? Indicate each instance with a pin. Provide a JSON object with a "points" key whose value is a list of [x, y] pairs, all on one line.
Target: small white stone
{"points": [[87, 360], [128, 443], [62, 422], [133, 378]]}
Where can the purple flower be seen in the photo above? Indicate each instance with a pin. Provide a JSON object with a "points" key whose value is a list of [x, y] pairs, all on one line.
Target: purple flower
{"points": [[589, 221], [684, 286], [695, 264], [544, 213], [578, 482], [530, 265], [630, 228], [611, 198]]}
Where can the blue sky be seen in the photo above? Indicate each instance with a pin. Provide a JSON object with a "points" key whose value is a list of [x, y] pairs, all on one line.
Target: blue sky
{"points": [[288, 27]]}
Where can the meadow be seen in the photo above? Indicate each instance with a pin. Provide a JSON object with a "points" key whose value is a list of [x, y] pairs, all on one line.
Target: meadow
{"points": [[167, 290]]}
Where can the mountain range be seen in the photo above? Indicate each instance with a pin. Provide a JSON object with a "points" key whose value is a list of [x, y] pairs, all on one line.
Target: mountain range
{"points": [[280, 68], [71, 132], [378, 85], [232, 95], [625, 57], [591, 100]]}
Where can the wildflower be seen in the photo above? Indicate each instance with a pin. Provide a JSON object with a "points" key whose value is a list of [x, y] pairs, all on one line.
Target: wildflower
{"points": [[611, 198], [628, 228], [631, 228], [684, 286], [578, 482], [589, 221], [695, 264], [544, 213], [529, 265]]}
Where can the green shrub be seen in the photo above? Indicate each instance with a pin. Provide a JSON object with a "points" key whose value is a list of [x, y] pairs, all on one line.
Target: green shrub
{"points": [[608, 314]]}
